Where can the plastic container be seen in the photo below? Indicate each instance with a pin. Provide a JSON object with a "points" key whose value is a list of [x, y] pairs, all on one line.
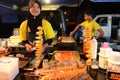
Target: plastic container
{"points": [[113, 69], [103, 61], [104, 54], [94, 48]]}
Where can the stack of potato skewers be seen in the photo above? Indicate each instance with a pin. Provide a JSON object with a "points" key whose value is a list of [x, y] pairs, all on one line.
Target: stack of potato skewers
{"points": [[38, 45], [87, 45]]}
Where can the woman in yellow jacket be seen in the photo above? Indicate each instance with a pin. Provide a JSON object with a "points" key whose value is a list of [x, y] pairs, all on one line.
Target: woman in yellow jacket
{"points": [[28, 28]]}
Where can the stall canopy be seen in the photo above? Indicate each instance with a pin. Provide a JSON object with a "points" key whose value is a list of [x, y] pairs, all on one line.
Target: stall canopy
{"points": [[11, 8], [105, 0], [5, 5]]}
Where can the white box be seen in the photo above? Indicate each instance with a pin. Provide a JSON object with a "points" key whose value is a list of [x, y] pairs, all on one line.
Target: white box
{"points": [[9, 68]]}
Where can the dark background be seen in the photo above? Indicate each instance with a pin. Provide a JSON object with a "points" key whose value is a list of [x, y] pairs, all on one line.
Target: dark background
{"points": [[10, 19]]}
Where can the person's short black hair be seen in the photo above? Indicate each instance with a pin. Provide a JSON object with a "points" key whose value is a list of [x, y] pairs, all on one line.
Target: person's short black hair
{"points": [[89, 12]]}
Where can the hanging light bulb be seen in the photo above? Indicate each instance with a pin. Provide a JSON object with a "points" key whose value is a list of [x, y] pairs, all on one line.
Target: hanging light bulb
{"points": [[47, 1], [14, 6]]}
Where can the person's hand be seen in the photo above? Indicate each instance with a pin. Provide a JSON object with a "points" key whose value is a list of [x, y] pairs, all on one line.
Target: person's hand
{"points": [[44, 47], [71, 33], [29, 47]]}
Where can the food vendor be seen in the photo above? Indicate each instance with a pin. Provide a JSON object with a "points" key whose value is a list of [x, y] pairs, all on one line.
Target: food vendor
{"points": [[89, 22], [89, 43], [29, 29]]}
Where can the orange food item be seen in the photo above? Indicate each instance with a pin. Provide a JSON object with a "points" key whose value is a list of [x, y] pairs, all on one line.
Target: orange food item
{"points": [[87, 45], [67, 56], [38, 46], [88, 62], [88, 55], [63, 75], [87, 32]]}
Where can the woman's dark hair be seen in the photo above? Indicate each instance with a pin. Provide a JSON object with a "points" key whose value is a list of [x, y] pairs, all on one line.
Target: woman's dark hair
{"points": [[89, 12], [31, 2]]}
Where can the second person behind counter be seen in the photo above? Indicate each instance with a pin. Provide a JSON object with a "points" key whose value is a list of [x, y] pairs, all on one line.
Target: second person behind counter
{"points": [[89, 22], [28, 28]]}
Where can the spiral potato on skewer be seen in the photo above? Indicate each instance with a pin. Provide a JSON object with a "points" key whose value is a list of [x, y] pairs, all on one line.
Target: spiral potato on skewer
{"points": [[87, 45], [38, 45]]}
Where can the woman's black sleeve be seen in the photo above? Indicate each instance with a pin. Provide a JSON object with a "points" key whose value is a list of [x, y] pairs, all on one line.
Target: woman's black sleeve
{"points": [[24, 42], [49, 41]]}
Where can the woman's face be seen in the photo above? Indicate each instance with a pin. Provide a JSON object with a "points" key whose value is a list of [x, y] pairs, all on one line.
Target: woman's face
{"points": [[35, 9]]}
